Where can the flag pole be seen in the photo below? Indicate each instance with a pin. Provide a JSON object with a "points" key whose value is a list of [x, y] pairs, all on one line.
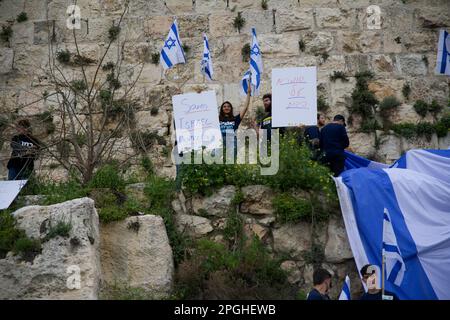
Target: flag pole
{"points": [[383, 266]]}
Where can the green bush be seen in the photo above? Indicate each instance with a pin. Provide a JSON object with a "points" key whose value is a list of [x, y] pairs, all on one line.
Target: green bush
{"points": [[363, 100], [406, 130], [421, 108], [215, 272], [112, 213], [6, 33], [108, 176], [406, 90], [435, 108], [233, 227], [443, 126], [370, 126], [387, 105], [27, 248], [239, 22], [61, 229], [339, 75], [425, 129], [9, 234], [289, 209], [22, 17]]}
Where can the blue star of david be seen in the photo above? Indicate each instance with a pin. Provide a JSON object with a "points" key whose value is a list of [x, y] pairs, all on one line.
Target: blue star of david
{"points": [[170, 43], [255, 50]]}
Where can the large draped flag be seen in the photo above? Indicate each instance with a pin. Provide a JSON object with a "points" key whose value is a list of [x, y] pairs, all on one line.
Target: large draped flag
{"points": [[254, 73], [206, 64], [345, 293], [172, 52], [411, 202], [443, 54]]}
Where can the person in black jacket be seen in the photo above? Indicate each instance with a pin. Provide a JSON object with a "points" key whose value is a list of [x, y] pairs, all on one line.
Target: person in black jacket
{"points": [[333, 142], [25, 148], [322, 285]]}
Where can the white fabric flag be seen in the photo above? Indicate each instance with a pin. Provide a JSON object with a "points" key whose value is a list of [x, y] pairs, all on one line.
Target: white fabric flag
{"points": [[172, 53], [443, 55], [207, 67]]}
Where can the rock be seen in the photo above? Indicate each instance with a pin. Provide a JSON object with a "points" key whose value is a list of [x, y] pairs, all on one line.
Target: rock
{"points": [[318, 42], [218, 204], [337, 248], [335, 18], [433, 17], [276, 45], [6, 60], [136, 251], [293, 20], [294, 273], [356, 42], [253, 229], [257, 200], [292, 239], [267, 222], [194, 226], [308, 276], [411, 64], [53, 274]]}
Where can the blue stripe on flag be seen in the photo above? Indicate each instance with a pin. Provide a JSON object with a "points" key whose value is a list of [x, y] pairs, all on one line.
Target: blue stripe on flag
{"points": [[444, 53], [390, 248], [346, 289], [371, 192], [394, 272], [166, 58]]}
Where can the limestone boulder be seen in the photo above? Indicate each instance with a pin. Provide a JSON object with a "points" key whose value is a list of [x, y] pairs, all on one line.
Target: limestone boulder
{"points": [[67, 267], [257, 200], [293, 239], [218, 204], [194, 226], [337, 248], [6, 60], [136, 251]]}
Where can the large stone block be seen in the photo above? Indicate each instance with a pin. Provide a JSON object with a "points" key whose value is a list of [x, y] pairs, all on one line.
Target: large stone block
{"points": [[337, 18], [293, 19], [218, 204], [317, 42], [337, 248], [136, 251], [193, 226], [292, 239], [277, 46], [411, 64], [193, 25], [430, 17], [51, 273], [356, 42], [257, 200], [6, 60]]}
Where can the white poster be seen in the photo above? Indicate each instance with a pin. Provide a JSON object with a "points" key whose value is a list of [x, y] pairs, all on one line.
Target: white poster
{"points": [[294, 96], [9, 191], [196, 121]]}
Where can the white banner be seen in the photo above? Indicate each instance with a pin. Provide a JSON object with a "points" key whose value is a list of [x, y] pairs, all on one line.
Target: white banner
{"points": [[294, 96], [9, 191], [196, 121]]}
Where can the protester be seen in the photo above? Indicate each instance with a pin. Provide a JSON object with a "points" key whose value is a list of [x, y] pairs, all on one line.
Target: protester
{"points": [[266, 122], [25, 149], [312, 133], [229, 123], [321, 285], [373, 293], [333, 142]]}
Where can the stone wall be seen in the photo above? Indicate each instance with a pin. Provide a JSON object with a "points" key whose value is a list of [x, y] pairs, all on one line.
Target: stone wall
{"points": [[335, 35], [206, 217]]}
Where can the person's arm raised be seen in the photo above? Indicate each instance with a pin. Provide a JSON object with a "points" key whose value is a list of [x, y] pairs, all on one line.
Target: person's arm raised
{"points": [[247, 103]]}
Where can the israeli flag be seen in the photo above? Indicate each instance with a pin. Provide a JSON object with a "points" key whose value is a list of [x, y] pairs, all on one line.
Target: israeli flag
{"points": [[415, 201], [443, 55], [345, 293], [353, 161], [172, 52], [254, 73], [245, 81], [395, 267], [207, 67]]}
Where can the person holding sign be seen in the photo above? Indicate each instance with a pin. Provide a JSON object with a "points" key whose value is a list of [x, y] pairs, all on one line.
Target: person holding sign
{"points": [[229, 123], [24, 152], [266, 122]]}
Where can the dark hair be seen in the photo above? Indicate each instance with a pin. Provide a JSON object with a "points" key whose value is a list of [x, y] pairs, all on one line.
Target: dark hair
{"points": [[320, 275], [222, 116], [267, 95], [318, 116], [363, 270]]}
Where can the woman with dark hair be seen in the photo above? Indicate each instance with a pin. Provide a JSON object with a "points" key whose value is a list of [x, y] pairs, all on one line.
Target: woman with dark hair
{"points": [[229, 123]]}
